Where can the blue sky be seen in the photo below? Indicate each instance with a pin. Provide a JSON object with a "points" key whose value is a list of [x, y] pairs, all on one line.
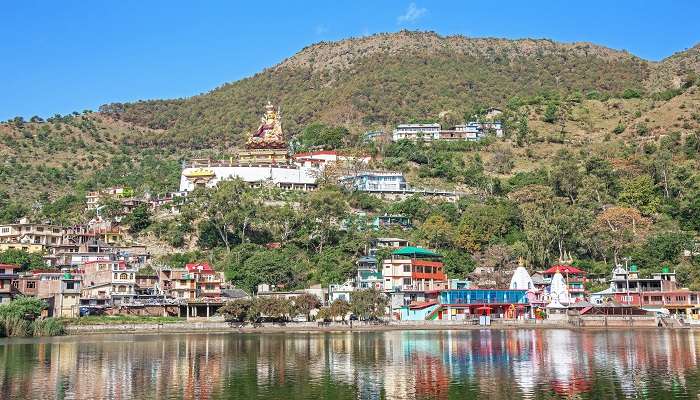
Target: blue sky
{"points": [[58, 57]]}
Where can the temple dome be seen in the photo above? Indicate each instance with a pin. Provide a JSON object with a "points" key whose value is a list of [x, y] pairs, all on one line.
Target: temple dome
{"points": [[521, 280]]}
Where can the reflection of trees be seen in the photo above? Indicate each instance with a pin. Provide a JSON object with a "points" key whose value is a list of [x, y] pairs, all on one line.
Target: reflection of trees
{"points": [[490, 363]]}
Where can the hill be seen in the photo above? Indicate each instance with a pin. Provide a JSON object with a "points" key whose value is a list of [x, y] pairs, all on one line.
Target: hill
{"points": [[384, 79], [363, 83]]}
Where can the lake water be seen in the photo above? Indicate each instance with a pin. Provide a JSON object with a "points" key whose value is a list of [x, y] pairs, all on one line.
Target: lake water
{"points": [[484, 364]]}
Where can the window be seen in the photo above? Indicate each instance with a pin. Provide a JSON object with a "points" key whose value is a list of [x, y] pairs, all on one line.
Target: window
{"points": [[121, 289], [123, 276], [5, 229], [406, 281], [407, 268]]}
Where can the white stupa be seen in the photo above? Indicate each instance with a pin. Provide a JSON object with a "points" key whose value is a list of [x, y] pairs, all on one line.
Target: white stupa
{"points": [[521, 279], [558, 291]]}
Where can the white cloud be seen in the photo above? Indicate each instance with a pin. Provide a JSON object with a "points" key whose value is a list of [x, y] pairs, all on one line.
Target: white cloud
{"points": [[412, 13]]}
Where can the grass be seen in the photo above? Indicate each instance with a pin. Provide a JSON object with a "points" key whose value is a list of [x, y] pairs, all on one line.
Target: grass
{"points": [[120, 319]]}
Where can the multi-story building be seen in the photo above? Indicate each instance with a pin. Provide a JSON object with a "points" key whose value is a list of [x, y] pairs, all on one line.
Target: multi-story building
{"points": [[66, 301], [388, 242], [108, 282], [389, 185], [93, 199], [28, 233], [475, 130], [8, 274], [207, 281], [417, 132], [177, 283], [658, 292], [413, 269], [376, 181], [368, 276]]}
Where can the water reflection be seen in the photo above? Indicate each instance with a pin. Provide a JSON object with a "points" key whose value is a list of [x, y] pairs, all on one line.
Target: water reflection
{"points": [[492, 364]]}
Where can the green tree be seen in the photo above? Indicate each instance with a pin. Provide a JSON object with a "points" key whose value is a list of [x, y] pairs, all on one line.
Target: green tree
{"points": [[24, 259], [369, 303], [305, 303], [550, 113], [139, 219], [340, 308], [437, 232], [640, 193], [238, 310]]}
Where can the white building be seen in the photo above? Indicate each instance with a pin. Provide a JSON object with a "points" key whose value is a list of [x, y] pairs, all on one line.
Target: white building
{"points": [[290, 177], [417, 132]]}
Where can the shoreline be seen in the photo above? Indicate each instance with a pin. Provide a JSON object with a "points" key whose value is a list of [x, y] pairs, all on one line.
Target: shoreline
{"points": [[223, 327]]}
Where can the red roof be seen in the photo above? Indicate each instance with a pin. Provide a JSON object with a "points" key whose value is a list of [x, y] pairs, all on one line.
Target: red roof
{"points": [[316, 153], [15, 266], [199, 267], [564, 269]]}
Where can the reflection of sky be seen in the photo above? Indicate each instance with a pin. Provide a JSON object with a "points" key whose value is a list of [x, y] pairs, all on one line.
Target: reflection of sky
{"points": [[396, 365]]}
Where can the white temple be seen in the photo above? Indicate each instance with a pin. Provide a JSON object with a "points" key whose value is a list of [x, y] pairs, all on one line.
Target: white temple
{"points": [[558, 292], [521, 280]]}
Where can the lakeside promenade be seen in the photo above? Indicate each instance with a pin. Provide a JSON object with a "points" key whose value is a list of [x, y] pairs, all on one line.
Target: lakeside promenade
{"points": [[296, 327]]}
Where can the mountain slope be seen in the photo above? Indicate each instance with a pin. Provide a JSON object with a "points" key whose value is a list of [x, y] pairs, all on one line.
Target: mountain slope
{"points": [[384, 79]]}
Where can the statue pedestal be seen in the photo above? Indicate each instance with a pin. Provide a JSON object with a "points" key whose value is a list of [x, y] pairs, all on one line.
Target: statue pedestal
{"points": [[263, 156]]}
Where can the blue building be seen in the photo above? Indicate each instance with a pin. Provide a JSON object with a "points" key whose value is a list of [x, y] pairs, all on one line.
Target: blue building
{"points": [[461, 304], [376, 181]]}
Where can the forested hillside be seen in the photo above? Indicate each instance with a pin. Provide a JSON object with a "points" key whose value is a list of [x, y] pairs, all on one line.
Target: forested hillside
{"points": [[600, 160]]}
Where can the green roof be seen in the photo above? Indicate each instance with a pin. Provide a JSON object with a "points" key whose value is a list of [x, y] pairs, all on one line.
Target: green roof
{"points": [[416, 252]]}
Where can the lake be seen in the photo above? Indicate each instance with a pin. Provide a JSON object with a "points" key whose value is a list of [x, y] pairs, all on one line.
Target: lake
{"points": [[484, 364]]}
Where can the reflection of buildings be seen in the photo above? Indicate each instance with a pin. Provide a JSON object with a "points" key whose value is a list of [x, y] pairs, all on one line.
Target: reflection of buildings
{"points": [[497, 364]]}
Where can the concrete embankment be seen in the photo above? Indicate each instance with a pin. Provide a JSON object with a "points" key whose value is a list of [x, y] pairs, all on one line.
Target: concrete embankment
{"points": [[220, 326]]}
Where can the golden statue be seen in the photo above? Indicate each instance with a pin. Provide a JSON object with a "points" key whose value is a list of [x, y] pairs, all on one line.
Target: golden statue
{"points": [[269, 134]]}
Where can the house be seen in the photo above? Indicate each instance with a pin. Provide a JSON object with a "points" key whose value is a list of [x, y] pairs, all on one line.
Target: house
{"points": [[391, 221], [146, 284], [177, 283], [341, 291], [389, 185], [24, 232], [416, 132], [108, 282], [66, 301], [388, 242], [93, 199], [207, 281], [375, 181], [368, 276], [373, 136], [8, 274]]}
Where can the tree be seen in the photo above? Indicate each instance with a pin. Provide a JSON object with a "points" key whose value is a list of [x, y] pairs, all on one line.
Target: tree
{"points": [[305, 303], [368, 304], [236, 310], [617, 228], [139, 219], [24, 259], [436, 232], [550, 113], [640, 193], [230, 208], [457, 263], [333, 266], [273, 267], [339, 308], [566, 178], [482, 223], [325, 209], [320, 135]]}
